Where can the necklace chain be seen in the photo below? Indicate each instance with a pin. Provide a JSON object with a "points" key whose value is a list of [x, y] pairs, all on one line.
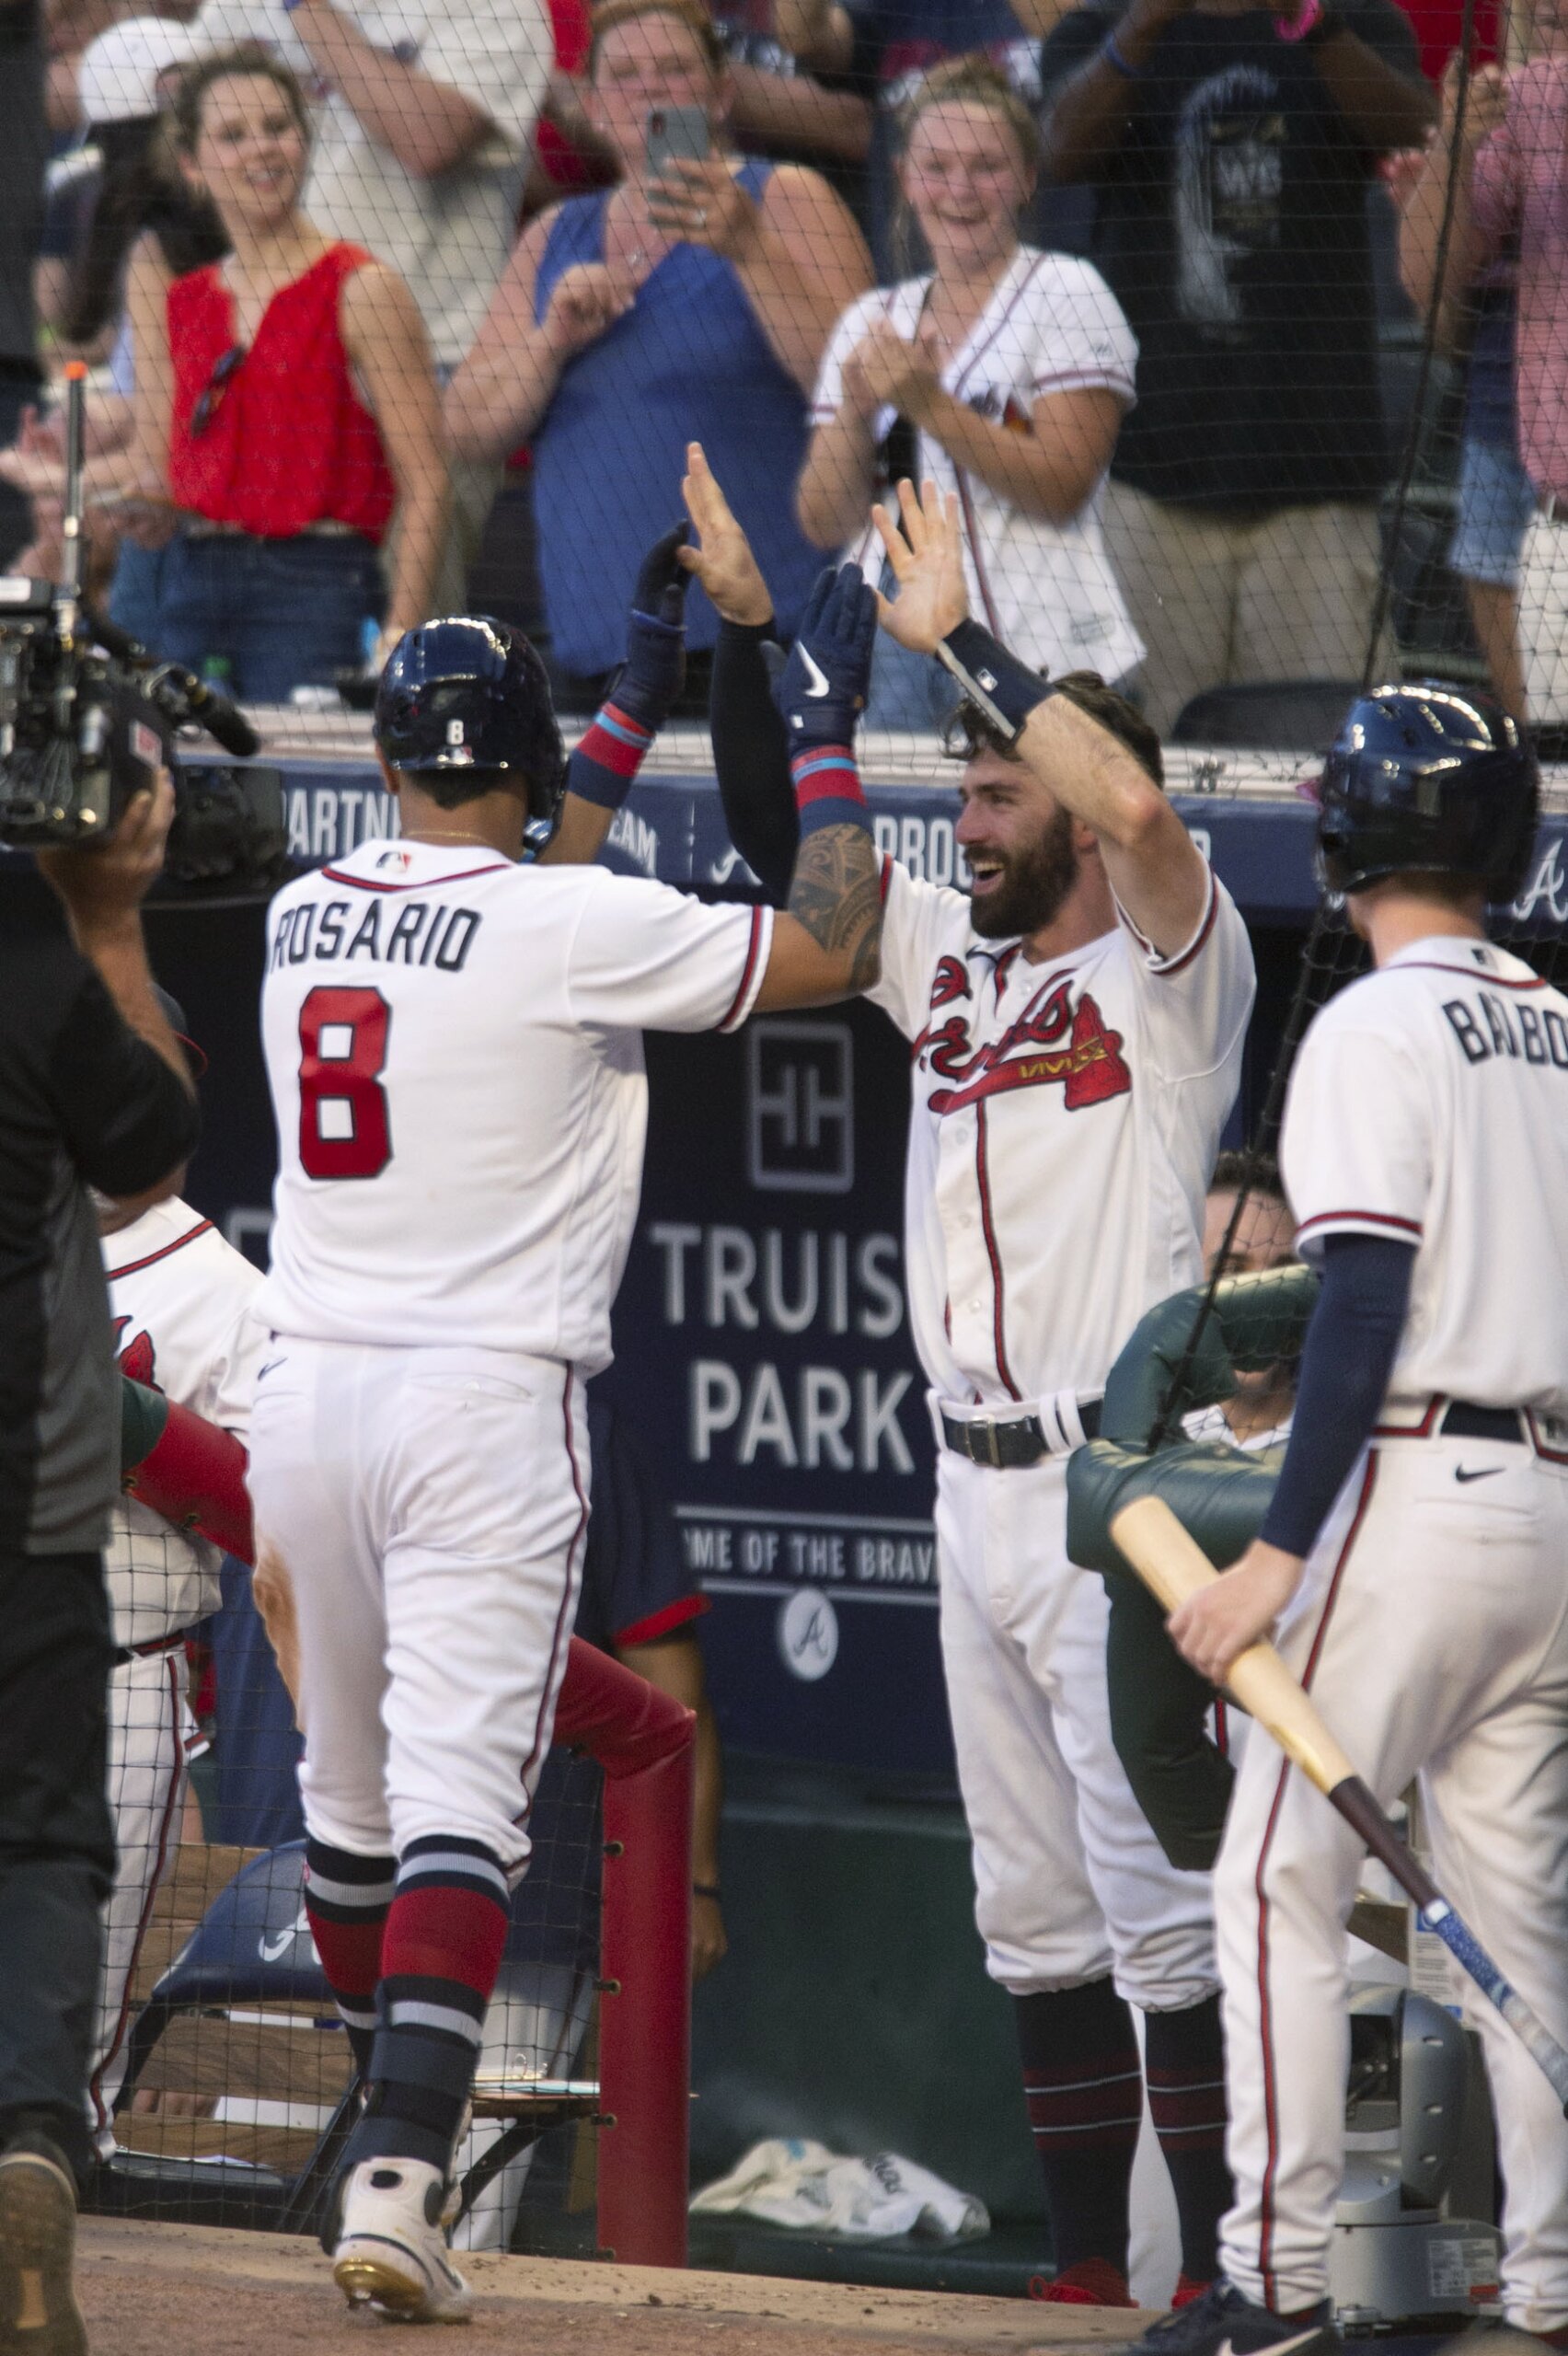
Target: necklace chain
{"points": [[452, 835]]}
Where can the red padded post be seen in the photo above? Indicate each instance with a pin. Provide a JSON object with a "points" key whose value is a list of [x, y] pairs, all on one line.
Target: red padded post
{"points": [[643, 1740]]}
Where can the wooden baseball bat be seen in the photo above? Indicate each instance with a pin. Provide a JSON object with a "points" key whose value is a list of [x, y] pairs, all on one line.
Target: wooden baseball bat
{"points": [[1172, 1567]]}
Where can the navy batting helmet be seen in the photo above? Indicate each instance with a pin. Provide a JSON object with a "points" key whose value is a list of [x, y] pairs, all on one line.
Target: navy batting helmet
{"points": [[1427, 780], [468, 693]]}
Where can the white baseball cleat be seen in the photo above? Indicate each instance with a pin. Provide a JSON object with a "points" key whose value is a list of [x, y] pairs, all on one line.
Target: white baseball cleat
{"points": [[391, 2251]]}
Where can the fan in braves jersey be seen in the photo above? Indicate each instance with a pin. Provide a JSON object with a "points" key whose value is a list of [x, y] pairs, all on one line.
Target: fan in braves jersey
{"points": [[179, 1299], [1075, 1022], [1416, 1550], [452, 1042]]}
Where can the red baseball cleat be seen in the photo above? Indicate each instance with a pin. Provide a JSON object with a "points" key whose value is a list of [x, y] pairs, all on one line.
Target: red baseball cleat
{"points": [[1089, 2282]]}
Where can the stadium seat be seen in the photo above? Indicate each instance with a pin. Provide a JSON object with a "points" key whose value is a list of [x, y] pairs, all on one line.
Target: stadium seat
{"points": [[252, 1956], [1266, 715]]}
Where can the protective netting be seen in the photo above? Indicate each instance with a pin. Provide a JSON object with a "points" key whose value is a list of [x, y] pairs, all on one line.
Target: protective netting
{"points": [[1238, 340]]}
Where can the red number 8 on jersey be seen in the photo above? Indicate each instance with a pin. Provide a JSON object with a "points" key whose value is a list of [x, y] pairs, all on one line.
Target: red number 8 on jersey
{"points": [[345, 1128]]}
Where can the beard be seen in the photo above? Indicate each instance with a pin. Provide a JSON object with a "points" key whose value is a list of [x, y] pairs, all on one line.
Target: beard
{"points": [[1032, 887]]}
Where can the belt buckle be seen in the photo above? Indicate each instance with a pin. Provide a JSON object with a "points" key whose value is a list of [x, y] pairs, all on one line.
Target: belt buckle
{"points": [[993, 1445]]}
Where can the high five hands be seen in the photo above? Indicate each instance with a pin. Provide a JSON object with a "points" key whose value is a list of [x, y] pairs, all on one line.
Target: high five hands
{"points": [[925, 559]]}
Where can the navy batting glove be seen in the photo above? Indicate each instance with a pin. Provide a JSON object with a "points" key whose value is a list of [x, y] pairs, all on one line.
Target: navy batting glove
{"points": [[823, 686], [655, 670]]}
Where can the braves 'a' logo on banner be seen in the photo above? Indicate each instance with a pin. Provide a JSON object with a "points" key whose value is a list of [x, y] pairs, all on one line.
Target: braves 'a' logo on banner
{"points": [[136, 1358], [1054, 1042]]}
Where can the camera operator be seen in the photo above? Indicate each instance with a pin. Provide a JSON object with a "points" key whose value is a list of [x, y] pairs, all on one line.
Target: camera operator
{"points": [[93, 1093]]}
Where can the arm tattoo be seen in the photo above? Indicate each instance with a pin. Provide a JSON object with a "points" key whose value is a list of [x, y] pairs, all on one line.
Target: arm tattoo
{"points": [[836, 895]]}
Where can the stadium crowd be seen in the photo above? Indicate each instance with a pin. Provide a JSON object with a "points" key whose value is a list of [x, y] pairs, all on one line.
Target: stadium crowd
{"points": [[392, 316]]}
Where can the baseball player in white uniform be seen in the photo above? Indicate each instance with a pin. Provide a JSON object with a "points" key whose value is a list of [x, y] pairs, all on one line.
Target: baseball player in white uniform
{"points": [[1077, 1024], [180, 1297], [1416, 1552], [453, 1043]]}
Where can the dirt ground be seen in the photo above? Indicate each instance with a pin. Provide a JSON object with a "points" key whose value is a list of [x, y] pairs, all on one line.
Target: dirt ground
{"points": [[190, 2290]]}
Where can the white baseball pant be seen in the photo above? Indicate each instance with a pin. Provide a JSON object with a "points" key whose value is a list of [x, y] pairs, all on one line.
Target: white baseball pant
{"points": [[150, 1734], [1432, 1630], [429, 1506], [1070, 1882]]}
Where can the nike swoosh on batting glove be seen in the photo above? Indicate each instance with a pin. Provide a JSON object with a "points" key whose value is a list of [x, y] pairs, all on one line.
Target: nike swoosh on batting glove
{"points": [[821, 690]]}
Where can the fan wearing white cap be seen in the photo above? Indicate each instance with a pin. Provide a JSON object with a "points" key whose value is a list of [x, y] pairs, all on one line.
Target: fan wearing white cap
{"points": [[121, 74]]}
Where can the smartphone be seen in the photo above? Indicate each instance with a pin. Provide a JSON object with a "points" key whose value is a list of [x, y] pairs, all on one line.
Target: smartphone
{"points": [[676, 134]]}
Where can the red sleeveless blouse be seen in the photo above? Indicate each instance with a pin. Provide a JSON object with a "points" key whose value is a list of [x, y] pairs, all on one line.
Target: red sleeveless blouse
{"points": [[288, 442]]}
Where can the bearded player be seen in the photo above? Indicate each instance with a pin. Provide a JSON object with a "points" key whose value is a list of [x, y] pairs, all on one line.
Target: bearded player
{"points": [[1417, 1543], [453, 1041], [1075, 1022]]}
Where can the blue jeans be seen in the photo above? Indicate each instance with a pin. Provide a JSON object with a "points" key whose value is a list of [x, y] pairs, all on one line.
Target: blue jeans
{"points": [[907, 690], [285, 614], [1495, 506]]}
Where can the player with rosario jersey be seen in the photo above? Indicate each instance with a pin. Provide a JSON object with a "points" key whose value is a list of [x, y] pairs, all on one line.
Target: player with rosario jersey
{"points": [[180, 1301], [1076, 1025], [453, 1043], [1416, 1550]]}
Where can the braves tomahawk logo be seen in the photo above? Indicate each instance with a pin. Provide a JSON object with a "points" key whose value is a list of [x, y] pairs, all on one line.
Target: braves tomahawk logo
{"points": [[138, 1356], [1055, 1041], [950, 981]]}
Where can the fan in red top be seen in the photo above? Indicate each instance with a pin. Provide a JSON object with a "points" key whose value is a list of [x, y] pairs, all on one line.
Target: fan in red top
{"points": [[294, 418]]}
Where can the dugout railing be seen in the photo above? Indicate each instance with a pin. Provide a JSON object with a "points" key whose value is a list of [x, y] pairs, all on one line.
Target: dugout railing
{"points": [[246, 1983]]}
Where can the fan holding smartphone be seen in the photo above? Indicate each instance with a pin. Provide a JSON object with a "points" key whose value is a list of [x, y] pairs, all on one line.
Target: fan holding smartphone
{"points": [[691, 303]]}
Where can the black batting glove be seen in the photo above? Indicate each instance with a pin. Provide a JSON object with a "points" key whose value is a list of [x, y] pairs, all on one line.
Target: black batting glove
{"points": [[649, 680], [823, 686]]}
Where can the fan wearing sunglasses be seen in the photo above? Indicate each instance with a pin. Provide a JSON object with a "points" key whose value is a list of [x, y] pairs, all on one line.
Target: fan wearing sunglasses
{"points": [[286, 398]]}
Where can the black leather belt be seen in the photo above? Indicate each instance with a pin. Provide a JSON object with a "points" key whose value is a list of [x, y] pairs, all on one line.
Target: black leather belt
{"points": [[1006, 1441], [1462, 1419], [125, 1653]]}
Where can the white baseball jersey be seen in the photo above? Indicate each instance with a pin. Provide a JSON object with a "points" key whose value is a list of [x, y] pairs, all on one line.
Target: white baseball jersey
{"points": [[1052, 326], [454, 1047], [1065, 1120], [1209, 1424], [180, 1299], [1429, 1103]]}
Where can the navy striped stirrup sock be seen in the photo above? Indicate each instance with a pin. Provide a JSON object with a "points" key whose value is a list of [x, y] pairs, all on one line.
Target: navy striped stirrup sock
{"points": [[1184, 2054], [1084, 2087], [440, 1954], [346, 1899]]}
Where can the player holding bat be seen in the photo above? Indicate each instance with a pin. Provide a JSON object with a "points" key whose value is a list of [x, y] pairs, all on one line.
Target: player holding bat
{"points": [[1416, 1550]]}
